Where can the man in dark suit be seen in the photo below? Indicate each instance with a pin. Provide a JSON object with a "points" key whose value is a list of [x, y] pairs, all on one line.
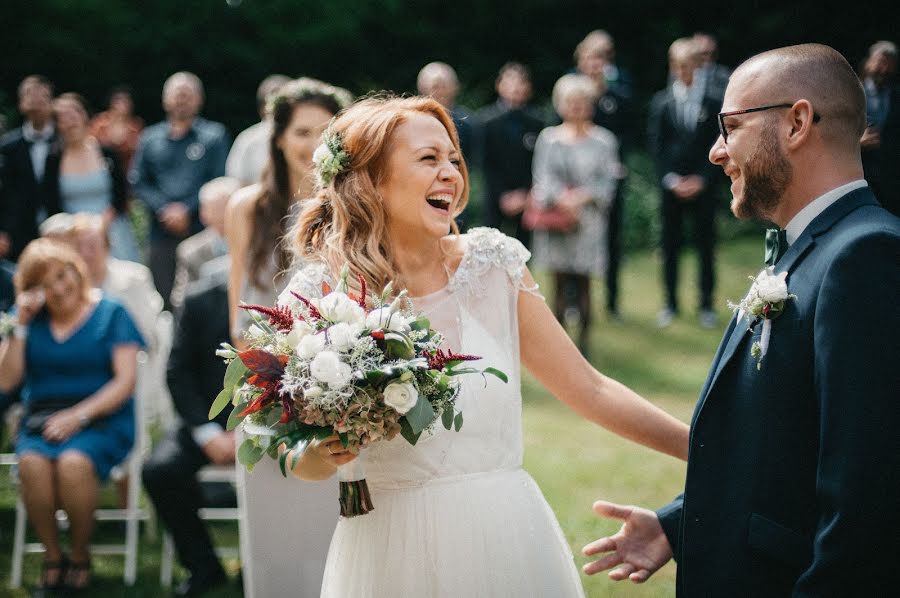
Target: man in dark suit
{"points": [[195, 378], [509, 130], [881, 141], [682, 128], [712, 77], [793, 472], [23, 159]]}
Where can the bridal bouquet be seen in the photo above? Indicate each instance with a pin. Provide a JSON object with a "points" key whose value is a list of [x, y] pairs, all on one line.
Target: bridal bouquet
{"points": [[363, 367]]}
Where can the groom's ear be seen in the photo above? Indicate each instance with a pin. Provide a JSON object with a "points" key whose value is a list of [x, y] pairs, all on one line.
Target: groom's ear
{"points": [[801, 118]]}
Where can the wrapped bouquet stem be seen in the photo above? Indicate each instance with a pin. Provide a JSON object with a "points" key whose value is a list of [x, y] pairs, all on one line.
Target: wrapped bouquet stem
{"points": [[354, 491], [361, 366]]}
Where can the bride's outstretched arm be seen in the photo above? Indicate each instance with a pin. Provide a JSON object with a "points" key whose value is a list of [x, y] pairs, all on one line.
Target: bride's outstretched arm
{"points": [[552, 358]]}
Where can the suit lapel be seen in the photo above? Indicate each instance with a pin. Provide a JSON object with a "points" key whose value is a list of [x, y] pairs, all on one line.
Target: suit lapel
{"points": [[788, 262]]}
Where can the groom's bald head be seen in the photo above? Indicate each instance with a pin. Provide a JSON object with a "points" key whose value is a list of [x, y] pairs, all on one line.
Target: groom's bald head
{"points": [[812, 72]]}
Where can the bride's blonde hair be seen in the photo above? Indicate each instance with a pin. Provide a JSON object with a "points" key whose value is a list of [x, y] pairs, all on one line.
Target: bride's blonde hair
{"points": [[345, 222]]}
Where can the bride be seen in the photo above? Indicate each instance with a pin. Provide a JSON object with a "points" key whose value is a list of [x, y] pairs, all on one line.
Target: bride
{"points": [[454, 515]]}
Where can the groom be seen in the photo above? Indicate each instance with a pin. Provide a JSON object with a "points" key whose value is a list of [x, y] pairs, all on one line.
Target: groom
{"points": [[793, 478]]}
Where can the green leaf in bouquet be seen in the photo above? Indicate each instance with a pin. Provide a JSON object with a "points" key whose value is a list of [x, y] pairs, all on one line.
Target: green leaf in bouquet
{"points": [[447, 418], [222, 400], [234, 417], [420, 323], [457, 372], [273, 416], [345, 439], [295, 451], [458, 421], [249, 454], [234, 377], [420, 416], [398, 346], [407, 432], [498, 373]]}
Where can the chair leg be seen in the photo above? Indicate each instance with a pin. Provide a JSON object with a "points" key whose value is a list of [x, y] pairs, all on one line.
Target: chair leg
{"points": [[132, 520], [15, 575], [166, 560]]}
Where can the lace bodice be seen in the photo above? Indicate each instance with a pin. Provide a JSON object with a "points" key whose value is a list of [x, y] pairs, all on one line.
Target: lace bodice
{"points": [[477, 314]]}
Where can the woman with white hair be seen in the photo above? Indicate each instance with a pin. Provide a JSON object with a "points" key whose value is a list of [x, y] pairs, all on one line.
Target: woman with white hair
{"points": [[575, 171]]}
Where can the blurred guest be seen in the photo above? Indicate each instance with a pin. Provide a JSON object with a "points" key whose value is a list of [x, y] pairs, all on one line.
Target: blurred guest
{"points": [[118, 127], [195, 378], [599, 47], [256, 217], [509, 131], [128, 283], [250, 151], [682, 128], [77, 355], [438, 80], [881, 141], [173, 160], [23, 161], [208, 244], [711, 77], [576, 169], [84, 176], [7, 299], [613, 111]]}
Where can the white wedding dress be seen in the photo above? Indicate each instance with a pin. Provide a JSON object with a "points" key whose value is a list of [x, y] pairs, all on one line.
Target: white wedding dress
{"points": [[456, 516]]}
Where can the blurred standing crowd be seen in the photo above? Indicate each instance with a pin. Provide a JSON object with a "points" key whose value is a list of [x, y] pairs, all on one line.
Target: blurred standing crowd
{"points": [[217, 212]]}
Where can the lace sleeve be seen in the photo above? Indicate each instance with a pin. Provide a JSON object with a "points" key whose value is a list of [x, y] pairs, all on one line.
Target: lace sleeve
{"points": [[488, 248], [306, 281]]}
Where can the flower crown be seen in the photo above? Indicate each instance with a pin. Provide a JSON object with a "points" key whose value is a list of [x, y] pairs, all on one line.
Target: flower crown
{"points": [[330, 158], [304, 88]]}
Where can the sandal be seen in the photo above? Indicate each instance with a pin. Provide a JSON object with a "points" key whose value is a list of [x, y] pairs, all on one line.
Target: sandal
{"points": [[79, 576], [48, 568]]}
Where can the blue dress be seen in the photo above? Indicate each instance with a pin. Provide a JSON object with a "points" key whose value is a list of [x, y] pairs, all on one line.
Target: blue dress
{"points": [[73, 370]]}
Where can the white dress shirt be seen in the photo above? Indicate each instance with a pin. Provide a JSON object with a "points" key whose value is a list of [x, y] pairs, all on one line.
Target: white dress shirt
{"points": [[801, 220]]}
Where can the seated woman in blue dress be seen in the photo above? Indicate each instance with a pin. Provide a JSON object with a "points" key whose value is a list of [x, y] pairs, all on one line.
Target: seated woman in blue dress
{"points": [[76, 355]]}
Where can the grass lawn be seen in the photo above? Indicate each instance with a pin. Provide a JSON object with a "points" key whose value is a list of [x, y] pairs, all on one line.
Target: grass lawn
{"points": [[573, 461]]}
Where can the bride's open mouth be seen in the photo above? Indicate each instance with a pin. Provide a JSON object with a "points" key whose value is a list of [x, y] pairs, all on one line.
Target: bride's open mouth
{"points": [[441, 202]]}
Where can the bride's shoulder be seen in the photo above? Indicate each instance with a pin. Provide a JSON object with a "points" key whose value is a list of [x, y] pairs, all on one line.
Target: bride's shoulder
{"points": [[482, 249], [306, 280]]}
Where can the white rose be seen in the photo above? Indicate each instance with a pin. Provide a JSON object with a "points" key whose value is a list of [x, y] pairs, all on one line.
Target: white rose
{"points": [[401, 396], [310, 346], [299, 330], [313, 392], [338, 307], [343, 336], [772, 287], [383, 319], [327, 367], [321, 154]]}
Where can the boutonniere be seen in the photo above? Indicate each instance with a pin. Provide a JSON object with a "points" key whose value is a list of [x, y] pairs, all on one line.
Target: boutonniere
{"points": [[765, 300]]}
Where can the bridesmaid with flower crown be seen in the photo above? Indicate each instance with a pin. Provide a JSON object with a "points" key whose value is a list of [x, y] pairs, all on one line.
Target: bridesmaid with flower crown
{"points": [[455, 515], [256, 220]]}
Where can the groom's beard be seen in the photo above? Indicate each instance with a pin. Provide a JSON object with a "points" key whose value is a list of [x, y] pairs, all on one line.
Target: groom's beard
{"points": [[766, 176]]}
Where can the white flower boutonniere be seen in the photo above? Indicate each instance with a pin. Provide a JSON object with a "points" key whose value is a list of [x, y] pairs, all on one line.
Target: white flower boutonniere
{"points": [[766, 300]]}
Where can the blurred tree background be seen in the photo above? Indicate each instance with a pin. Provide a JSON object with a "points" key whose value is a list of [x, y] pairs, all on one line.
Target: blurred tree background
{"points": [[91, 45]]}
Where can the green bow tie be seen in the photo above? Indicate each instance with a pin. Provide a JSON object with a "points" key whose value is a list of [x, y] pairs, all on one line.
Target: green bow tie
{"points": [[776, 245]]}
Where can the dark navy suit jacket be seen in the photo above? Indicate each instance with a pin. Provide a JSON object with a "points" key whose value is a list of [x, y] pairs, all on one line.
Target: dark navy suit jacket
{"points": [[793, 479]]}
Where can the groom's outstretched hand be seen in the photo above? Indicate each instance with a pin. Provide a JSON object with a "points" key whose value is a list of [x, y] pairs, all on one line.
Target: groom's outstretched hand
{"points": [[636, 551]]}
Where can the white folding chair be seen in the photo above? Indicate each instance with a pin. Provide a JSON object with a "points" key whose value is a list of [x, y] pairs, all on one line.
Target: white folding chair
{"points": [[132, 514], [209, 473], [151, 387]]}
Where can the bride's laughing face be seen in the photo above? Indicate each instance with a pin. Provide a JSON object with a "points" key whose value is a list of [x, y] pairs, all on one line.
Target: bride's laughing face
{"points": [[424, 184]]}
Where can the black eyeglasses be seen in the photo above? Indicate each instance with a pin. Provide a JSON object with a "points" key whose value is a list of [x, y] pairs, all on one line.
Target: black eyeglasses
{"points": [[724, 132]]}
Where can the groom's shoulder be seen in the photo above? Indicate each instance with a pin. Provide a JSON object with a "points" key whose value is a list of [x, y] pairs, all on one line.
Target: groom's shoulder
{"points": [[866, 222]]}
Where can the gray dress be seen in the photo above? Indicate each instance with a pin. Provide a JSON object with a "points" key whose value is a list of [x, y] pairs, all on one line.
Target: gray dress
{"points": [[288, 522], [592, 163]]}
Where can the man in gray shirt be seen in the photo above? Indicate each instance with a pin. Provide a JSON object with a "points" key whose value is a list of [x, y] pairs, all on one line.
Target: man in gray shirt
{"points": [[174, 159]]}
